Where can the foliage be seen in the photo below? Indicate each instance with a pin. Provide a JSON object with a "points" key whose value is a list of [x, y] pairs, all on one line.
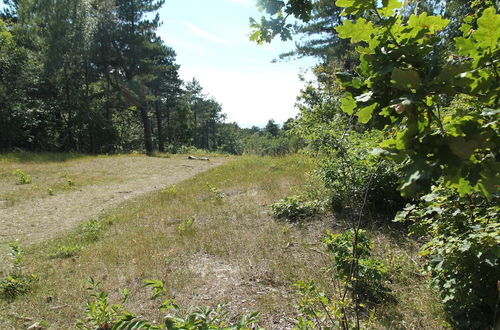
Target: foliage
{"points": [[265, 144], [353, 264], [91, 229], [16, 282], [295, 208], [216, 193], [463, 252], [349, 172], [320, 311], [399, 83], [22, 177], [100, 314], [186, 227], [65, 251]]}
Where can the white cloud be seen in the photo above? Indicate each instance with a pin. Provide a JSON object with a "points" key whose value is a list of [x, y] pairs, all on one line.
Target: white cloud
{"points": [[250, 98], [204, 34]]}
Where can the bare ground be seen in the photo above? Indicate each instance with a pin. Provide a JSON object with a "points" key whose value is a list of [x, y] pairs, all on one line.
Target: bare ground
{"points": [[37, 219]]}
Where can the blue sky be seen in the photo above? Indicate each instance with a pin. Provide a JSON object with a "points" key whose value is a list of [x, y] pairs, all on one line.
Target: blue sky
{"points": [[211, 41]]}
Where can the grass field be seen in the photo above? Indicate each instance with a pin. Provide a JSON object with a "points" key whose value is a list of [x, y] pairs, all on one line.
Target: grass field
{"points": [[211, 240]]}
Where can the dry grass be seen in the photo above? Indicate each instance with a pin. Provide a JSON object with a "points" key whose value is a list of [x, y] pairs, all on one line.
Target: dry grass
{"points": [[233, 252], [64, 192]]}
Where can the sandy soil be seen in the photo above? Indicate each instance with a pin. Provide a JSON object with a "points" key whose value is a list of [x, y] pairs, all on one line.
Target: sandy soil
{"points": [[39, 219]]}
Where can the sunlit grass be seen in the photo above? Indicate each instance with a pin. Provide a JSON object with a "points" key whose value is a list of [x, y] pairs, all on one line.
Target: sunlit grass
{"points": [[208, 250]]}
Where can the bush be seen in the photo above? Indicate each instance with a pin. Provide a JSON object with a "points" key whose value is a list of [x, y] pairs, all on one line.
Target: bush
{"points": [[370, 274], [349, 169], [462, 254], [16, 283], [295, 208]]}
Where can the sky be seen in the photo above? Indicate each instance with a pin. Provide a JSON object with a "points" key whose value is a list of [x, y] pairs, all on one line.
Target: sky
{"points": [[210, 38]]}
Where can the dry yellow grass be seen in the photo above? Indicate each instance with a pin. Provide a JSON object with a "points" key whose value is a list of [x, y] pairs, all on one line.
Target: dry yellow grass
{"points": [[64, 193], [232, 252]]}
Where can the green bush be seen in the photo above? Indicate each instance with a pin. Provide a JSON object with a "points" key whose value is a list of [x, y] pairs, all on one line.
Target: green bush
{"points": [[295, 208], [16, 282], [348, 169], [462, 254], [369, 276]]}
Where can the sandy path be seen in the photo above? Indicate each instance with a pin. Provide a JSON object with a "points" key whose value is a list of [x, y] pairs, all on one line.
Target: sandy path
{"points": [[36, 220]]}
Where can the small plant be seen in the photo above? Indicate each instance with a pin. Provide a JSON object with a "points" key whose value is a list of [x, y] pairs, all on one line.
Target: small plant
{"points": [[366, 275], [16, 282], [295, 208], [50, 191], [69, 181], [170, 190], [218, 195], [186, 227], [91, 229], [66, 251], [101, 314], [22, 177], [319, 311]]}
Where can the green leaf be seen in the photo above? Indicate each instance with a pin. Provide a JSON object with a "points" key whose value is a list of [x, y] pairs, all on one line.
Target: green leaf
{"points": [[388, 7], [430, 23], [348, 104], [405, 79], [365, 114], [488, 31], [361, 30]]}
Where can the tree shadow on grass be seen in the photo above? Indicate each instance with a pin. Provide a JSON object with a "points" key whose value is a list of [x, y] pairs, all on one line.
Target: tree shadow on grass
{"points": [[39, 157]]}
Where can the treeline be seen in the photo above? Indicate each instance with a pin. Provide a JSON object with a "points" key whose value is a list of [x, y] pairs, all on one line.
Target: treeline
{"points": [[95, 77]]}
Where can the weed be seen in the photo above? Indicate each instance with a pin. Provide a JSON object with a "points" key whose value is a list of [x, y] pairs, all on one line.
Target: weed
{"points": [[16, 283], [217, 194], [66, 251], [186, 227], [100, 314], [22, 177], [50, 191], [171, 190], [91, 229], [69, 181], [295, 208]]}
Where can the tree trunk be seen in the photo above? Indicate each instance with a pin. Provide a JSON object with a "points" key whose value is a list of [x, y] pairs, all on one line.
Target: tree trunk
{"points": [[161, 146], [148, 137]]}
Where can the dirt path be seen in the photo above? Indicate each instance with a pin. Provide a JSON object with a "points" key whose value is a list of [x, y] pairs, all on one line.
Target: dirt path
{"points": [[42, 218]]}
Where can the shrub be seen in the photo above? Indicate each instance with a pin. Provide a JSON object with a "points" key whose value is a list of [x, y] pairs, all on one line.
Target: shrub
{"points": [[295, 208], [462, 254], [16, 283], [22, 177], [369, 275], [348, 169]]}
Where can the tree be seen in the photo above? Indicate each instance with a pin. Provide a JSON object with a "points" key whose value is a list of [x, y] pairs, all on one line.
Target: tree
{"points": [[272, 128]]}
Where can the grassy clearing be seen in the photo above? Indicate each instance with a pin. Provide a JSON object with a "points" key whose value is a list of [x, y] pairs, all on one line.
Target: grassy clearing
{"points": [[51, 173], [211, 240]]}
